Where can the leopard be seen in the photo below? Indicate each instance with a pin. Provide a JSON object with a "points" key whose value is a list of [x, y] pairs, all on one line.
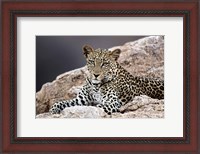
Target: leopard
{"points": [[108, 85]]}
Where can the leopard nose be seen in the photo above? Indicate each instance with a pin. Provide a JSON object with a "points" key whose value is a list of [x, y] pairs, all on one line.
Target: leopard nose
{"points": [[96, 75]]}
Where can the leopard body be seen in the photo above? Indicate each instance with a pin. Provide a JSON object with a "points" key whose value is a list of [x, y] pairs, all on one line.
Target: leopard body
{"points": [[109, 85]]}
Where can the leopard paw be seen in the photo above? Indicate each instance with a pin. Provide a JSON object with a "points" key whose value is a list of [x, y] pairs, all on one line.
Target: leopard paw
{"points": [[105, 108], [55, 110], [109, 109]]}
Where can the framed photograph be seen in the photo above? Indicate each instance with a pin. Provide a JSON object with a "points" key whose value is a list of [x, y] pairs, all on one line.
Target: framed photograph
{"points": [[141, 58], [100, 76]]}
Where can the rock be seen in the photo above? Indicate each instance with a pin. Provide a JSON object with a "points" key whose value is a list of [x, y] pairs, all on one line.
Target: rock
{"points": [[47, 115], [142, 106], [77, 112], [144, 57]]}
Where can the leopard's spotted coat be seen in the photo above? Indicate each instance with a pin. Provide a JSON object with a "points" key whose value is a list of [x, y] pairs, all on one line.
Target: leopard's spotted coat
{"points": [[109, 86]]}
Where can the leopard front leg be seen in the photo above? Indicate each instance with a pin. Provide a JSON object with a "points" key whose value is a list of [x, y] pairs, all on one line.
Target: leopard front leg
{"points": [[59, 106], [82, 99], [110, 108]]}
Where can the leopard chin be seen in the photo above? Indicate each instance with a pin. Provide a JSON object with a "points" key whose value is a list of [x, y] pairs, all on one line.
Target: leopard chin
{"points": [[96, 82]]}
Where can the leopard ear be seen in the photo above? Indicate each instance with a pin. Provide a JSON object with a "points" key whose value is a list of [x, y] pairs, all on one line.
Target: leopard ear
{"points": [[87, 49], [115, 54]]}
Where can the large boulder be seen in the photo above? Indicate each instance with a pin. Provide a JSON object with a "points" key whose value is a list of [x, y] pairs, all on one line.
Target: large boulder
{"points": [[144, 57]]}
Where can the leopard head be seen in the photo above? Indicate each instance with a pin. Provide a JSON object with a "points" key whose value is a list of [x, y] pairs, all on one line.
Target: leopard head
{"points": [[101, 63]]}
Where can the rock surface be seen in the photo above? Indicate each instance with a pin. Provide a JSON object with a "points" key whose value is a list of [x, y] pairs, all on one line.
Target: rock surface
{"points": [[76, 112], [144, 57]]}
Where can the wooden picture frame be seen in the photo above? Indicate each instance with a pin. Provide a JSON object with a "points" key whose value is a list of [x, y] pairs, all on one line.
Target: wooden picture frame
{"points": [[12, 10]]}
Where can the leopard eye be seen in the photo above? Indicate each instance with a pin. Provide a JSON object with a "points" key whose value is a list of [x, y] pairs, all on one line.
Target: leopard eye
{"points": [[91, 62], [105, 64]]}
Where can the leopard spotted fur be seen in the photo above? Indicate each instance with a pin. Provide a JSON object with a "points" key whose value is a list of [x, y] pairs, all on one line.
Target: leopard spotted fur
{"points": [[109, 85]]}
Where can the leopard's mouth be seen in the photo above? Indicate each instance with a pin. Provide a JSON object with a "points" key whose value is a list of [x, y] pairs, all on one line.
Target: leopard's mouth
{"points": [[96, 82]]}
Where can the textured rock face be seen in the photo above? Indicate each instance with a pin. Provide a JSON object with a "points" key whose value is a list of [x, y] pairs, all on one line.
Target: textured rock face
{"points": [[144, 57], [64, 87], [77, 112]]}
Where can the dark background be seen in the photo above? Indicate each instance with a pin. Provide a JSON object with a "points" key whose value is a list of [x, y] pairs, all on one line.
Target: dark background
{"points": [[58, 54]]}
